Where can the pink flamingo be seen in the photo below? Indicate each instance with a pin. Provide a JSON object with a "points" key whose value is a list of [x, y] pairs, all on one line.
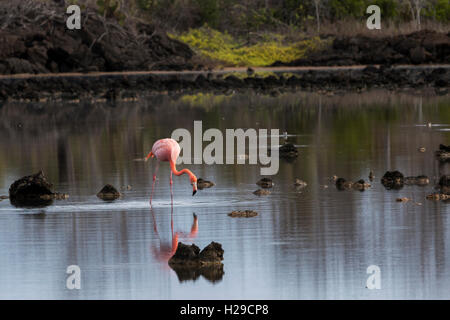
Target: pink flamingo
{"points": [[169, 150]]}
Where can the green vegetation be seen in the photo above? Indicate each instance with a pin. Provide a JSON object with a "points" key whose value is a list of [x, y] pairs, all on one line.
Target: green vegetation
{"points": [[227, 49]]}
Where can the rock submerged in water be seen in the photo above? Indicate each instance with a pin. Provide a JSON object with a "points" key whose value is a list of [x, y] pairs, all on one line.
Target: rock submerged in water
{"points": [[300, 183], [444, 184], [360, 185], [393, 180], [243, 214], [443, 154], [203, 184], [288, 150], [191, 256], [343, 184], [108, 193], [33, 190], [438, 196]]}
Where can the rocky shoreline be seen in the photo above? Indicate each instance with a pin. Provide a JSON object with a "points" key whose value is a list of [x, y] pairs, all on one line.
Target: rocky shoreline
{"points": [[425, 46], [102, 44], [104, 59], [112, 86]]}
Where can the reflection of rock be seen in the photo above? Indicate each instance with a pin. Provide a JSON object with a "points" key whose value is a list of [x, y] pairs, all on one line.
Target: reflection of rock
{"points": [[438, 196], [243, 214], [419, 180], [33, 190], [288, 150], [393, 180], [261, 192], [190, 263], [265, 183], [202, 184], [108, 192], [191, 255], [444, 184], [443, 154], [211, 273]]}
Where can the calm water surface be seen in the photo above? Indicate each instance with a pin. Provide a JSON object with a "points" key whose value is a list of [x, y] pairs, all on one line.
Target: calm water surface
{"points": [[314, 243]]}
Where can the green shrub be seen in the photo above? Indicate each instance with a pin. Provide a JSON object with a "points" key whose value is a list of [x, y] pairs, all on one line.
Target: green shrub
{"points": [[227, 50]]}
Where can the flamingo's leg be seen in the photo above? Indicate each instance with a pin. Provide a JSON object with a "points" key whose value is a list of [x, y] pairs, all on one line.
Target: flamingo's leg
{"points": [[171, 201], [171, 190], [154, 181]]}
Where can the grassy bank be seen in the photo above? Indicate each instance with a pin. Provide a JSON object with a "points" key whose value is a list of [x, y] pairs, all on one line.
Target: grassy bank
{"points": [[217, 49]]}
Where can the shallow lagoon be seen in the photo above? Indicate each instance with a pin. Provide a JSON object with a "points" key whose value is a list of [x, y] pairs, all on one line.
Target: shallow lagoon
{"points": [[313, 243]]}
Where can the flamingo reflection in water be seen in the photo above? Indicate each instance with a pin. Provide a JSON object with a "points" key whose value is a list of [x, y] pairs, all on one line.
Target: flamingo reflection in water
{"points": [[164, 252]]}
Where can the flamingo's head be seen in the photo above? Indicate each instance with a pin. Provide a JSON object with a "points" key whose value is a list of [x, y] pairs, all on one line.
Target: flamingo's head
{"points": [[149, 155], [193, 180]]}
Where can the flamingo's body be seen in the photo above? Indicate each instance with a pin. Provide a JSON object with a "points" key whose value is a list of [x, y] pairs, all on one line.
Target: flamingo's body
{"points": [[166, 150], [169, 150]]}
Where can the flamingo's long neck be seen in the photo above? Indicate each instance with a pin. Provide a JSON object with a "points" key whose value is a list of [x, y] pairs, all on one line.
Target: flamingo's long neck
{"points": [[179, 173]]}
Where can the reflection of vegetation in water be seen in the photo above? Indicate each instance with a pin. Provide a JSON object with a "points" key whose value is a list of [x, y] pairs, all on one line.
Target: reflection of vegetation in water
{"points": [[89, 142], [204, 100], [223, 48]]}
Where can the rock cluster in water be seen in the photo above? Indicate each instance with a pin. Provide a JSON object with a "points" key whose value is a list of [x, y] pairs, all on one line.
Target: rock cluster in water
{"points": [[396, 180], [444, 189], [33, 190], [189, 263], [191, 256], [393, 180]]}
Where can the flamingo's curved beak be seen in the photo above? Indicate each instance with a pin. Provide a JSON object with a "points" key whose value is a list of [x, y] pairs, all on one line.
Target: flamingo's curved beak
{"points": [[194, 188]]}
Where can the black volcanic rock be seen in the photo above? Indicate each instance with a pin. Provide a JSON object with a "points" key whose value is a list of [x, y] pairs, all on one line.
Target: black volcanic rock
{"points": [[393, 180], [444, 184], [102, 44], [288, 150], [191, 256], [33, 190], [108, 192]]}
